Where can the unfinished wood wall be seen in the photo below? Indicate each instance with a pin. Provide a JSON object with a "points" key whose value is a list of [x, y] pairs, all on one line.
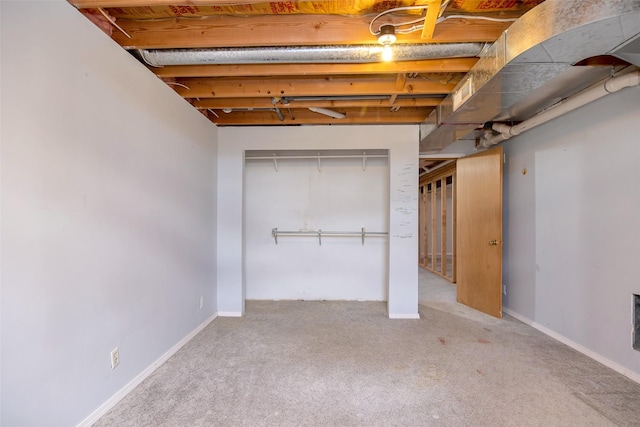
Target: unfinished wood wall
{"points": [[437, 252]]}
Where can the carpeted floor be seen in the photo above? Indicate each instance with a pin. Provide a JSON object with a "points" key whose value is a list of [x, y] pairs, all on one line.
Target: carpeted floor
{"points": [[308, 363]]}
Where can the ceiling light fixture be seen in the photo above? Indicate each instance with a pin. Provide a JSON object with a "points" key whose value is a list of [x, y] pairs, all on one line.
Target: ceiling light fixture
{"points": [[386, 37]]}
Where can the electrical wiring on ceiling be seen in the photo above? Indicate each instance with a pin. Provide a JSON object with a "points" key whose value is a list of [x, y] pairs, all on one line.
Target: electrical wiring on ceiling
{"points": [[421, 19], [177, 84]]}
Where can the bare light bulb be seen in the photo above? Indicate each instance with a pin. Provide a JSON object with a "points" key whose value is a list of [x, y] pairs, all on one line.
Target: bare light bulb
{"points": [[387, 34], [387, 53]]}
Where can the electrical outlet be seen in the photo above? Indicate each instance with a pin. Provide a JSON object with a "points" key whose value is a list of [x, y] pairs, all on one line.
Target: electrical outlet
{"points": [[115, 358], [201, 302]]}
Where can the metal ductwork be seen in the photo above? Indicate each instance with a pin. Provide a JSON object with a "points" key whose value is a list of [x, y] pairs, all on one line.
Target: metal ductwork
{"points": [[504, 132], [531, 66], [307, 54]]}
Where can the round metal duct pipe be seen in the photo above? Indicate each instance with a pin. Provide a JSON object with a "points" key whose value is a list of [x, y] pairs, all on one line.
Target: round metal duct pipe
{"points": [[307, 54]]}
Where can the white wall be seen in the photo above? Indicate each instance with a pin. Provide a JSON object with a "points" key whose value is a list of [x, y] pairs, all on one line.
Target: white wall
{"points": [[108, 215], [572, 227], [340, 196], [402, 143]]}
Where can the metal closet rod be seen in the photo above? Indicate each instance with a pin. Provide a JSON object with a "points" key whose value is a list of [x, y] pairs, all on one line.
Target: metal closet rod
{"points": [[321, 156], [319, 233]]}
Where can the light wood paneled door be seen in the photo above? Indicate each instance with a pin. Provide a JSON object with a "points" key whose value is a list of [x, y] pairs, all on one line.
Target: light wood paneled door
{"points": [[479, 215]]}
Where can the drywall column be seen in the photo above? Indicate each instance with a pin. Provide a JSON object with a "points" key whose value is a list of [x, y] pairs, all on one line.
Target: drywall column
{"points": [[402, 143], [230, 277], [403, 229]]}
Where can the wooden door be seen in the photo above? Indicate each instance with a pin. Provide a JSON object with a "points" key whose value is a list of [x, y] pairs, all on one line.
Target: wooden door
{"points": [[479, 238]]}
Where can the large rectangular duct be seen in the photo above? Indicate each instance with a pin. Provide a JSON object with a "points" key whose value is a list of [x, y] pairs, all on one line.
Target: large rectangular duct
{"points": [[531, 66]]}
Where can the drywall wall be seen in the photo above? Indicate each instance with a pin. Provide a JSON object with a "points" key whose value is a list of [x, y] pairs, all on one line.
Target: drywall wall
{"points": [[571, 208], [108, 216], [402, 143], [341, 195]]}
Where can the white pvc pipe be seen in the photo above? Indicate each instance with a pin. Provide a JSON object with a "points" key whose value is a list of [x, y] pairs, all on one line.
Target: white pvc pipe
{"points": [[588, 95]]}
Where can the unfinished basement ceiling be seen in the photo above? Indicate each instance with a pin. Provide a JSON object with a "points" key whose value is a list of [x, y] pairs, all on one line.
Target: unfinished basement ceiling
{"points": [[548, 58], [307, 62]]}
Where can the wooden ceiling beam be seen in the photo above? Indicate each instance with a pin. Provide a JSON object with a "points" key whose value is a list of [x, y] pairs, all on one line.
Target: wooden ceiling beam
{"points": [[404, 116], [401, 80], [213, 88], [453, 65], [284, 30], [405, 92], [430, 19], [218, 104], [143, 3]]}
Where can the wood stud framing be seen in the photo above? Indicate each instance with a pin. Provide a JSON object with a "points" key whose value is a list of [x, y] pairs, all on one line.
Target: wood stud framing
{"points": [[443, 222], [437, 222], [430, 19], [432, 233]]}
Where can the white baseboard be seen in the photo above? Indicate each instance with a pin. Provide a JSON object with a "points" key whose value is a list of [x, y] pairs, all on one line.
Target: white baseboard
{"points": [[578, 347], [113, 400], [229, 314], [518, 316], [404, 316]]}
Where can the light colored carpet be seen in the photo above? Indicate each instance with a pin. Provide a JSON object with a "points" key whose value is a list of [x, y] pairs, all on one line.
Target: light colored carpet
{"points": [[304, 363]]}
